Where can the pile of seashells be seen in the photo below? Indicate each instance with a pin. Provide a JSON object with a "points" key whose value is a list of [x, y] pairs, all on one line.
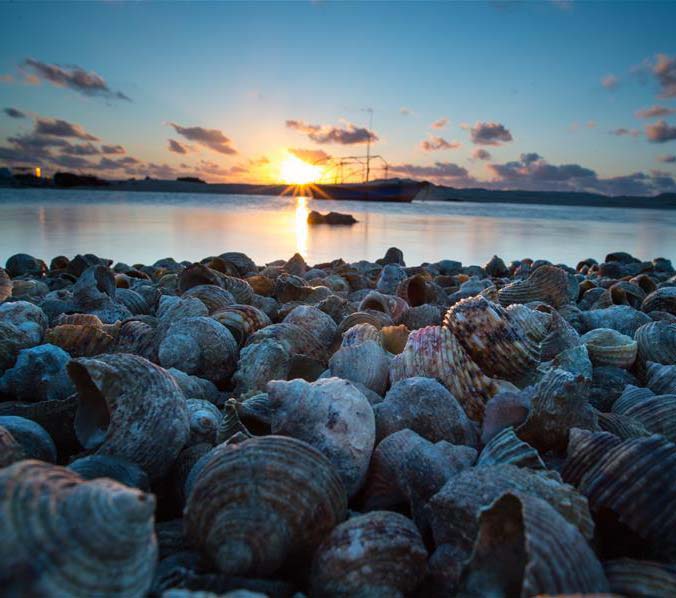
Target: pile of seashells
{"points": [[347, 429]]}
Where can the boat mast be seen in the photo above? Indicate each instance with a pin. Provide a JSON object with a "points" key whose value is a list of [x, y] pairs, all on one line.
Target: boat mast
{"points": [[368, 144]]}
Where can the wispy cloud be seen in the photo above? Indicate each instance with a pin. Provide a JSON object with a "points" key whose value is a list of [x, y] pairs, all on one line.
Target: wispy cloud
{"points": [[624, 132], [439, 124], [434, 144], [610, 81], [481, 154], [660, 132], [404, 111], [667, 159], [177, 147], [61, 128], [112, 149], [211, 138], [14, 113], [489, 133], [654, 112], [348, 134], [74, 77], [309, 155], [665, 71], [438, 171]]}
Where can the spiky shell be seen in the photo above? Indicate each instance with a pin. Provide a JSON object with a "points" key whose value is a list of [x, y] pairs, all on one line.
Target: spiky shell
{"points": [[526, 535], [125, 472], [630, 577], [492, 340], [213, 296], [547, 283], [507, 447], [434, 352], [609, 347], [5, 285], [316, 322], [663, 299], [44, 511], [81, 340], [394, 338], [332, 416], [661, 379], [241, 320], [254, 504], [657, 343], [380, 553], [365, 363], [130, 408]]}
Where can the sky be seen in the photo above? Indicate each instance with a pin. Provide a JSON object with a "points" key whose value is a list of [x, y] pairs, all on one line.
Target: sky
{"points": [[541, 95]]}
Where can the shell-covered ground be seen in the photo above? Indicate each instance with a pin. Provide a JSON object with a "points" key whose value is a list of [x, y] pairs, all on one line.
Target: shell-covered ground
{"points": [[367, 429]]}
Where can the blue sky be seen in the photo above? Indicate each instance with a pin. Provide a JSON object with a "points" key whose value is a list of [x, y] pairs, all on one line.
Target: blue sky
{"points": [[245, 69]]}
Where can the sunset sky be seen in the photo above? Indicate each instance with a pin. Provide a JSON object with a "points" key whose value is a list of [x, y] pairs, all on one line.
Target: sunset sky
{"points": [[550, 95]]}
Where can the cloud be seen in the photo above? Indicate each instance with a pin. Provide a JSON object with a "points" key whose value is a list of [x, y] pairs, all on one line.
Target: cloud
{"points": [[530, 157], [660, 132], [433, 144], [211, 138], [112, 149], [481, 154], [665, 71], [610, 81], [309, 155], [178, 148], [489, 133], [6, 79], [439, 124], [623, 132], [404, 111], [439, 171], [14, 113], [591, 124], [76, 78], [61, 128], [667, 159], [532, 170], [655, 111], [85, 149], [346, 135]]}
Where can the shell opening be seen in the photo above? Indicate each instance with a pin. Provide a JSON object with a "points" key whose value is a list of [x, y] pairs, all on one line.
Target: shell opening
{"points": [[92, 417]]}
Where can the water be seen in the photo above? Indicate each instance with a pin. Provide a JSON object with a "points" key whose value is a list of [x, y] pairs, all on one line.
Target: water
{"points": [[143, 227]]}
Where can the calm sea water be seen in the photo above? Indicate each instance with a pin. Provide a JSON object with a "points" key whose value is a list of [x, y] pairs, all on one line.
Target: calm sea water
{"points": [[143, 227]]}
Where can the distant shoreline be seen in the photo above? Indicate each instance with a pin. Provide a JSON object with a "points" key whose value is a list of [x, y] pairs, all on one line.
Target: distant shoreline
{"points": [[665, 201]]}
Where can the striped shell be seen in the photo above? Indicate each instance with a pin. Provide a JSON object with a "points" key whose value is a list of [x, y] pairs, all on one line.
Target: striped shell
{"points": [[254, 504], [139, 338], [295, 340], [657, 414], [375, 318], [629, 577], [631, 395], [622, 426], [63, 536], [241, 320], [259, 363], [360, 333], [657, 343], [125, 472], [561, 336], [663, 299], [547, 283], [130, 408], [214, 297], [133, 301], [316, 322], [377, 554], [661, 379], [81, 340], [585, 448], [609, 347], [365, 363], [533, 323], [507, 447], [240, 289]]}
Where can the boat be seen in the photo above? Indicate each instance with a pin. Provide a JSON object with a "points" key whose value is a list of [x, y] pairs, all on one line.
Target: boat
{"points": [[392, 191]]}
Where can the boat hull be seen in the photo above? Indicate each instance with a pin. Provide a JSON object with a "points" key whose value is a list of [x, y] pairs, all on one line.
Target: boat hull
{"points": [[392, 192]]}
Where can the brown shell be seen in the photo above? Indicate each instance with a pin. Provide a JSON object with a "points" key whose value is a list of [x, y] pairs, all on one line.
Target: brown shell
{"points": [[507, 447], [198, 274], [241, 320], [5, 285], [261, 285], [629, 577], [130, 408], [139, 338], [390, 305], [661, 379], [657, 343], [547, 283], [240, 289], [291, 288], [213, 296], [375, 318], [81, 340], [63, 536], [377, 554], [492, 340], [413, 290], [434, 352], [663, 299], [254, 504], [609, 347], [525, 547], [394, 338], [78, 320]]}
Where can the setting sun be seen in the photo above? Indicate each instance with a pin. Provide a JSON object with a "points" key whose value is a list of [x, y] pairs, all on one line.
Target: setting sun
{"points": [[294, 171]]}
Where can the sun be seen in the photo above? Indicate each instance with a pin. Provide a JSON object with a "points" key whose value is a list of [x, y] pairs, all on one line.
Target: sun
{"points": [[294, 171]]}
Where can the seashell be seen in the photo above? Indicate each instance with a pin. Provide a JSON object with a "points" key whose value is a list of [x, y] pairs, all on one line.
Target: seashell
{"points": [[241, 320], [622, 318], [21, 264], [365, 363], [194, 387], [394, 338], [332, 416], [377, 554], [138, 338], [421, 316], [130, 408], [629, 577], [426, 407], [657, 343], [559, 403], [231, 424], [259, 363], [291, 288], [293, 338], [39, 374], [240, 511], [95, 288], [261, 285], [10, 450], [43, 504], [393, 255], [81, 340], [29, 319], [11, 342], [506, 447], [533, 323], [244, 264], [493, 342], [622, 426], [133, 301], [547, 283], [240, 289], [657, 414], [78, 320], [585, 448], [6, 285], [595, 298], [608, 383], [391, 305], [496, 268], [507, 409], [561, 336], [453, 513], [390, 277], [205, 419], [413, 290], [631, 395], [609, 347], [661, 379], [547, 555], [434, 352], [634, 480], [197, 275], [296, 265], [663, 299], [106, 466], [315, 321], [214, 297], [200, 346], [33, 438], [375, 318], [360, 333]]}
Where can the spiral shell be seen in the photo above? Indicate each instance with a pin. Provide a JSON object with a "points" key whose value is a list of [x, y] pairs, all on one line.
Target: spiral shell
{"points": [[661, 379], [316, 322], [657, 343], [81, 340], [125, 472], [259, 363], [394, 338], [130, 408], [434, 352], [377, 554], [629, 577], [608, 347], [241, 320], [42, 506], [254, 504], [533, 323], [493, 342], [365, 363], [663, 299], [5, 285], [547, 283], [507, 447], [214, 297], [375, 318], [561, 336]]}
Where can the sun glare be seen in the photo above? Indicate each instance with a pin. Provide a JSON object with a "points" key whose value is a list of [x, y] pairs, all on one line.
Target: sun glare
{"points": [[294, 171]]}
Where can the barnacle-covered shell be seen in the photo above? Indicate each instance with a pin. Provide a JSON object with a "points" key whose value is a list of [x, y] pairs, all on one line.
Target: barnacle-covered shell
{"points": [[63, 536], [332, 416], [657, 414], [130, 408], [490, 338], [426, 407], [394, 338], [259, 363], [608, 347], [316, 322], [375, 318], [434, 352], [29, 319], [241, 320], [214, 297], [365, 363], [377, 554], [663, 299], [526, 548], [200, 346], [11, 451], [81, 340], [547, 283], [33, 438], [507, 447], [204, 421], [630, 577], [125, 472], [661, 379], [5, 285], [254, 504], [657, 343]]}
